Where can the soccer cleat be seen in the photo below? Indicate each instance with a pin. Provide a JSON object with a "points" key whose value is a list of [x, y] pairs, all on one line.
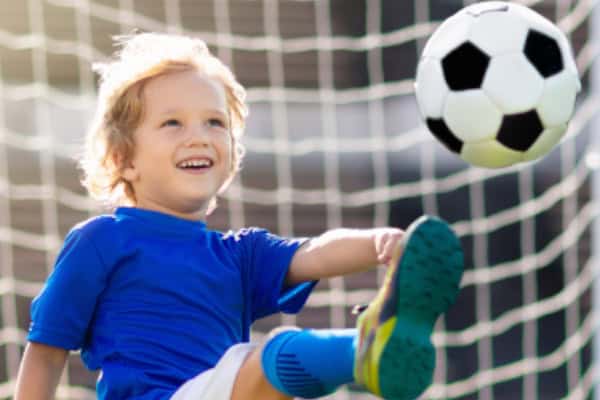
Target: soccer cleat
{"points": [[395, 358]]}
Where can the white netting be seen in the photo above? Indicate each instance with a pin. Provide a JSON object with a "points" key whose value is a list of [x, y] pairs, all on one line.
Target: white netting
{"points": [[333, 139]]}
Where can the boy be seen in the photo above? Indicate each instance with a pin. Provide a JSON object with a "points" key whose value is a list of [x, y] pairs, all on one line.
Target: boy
{"points": [[163, 306]]}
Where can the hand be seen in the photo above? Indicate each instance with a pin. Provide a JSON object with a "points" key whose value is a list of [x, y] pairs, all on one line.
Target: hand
{"points": [[387, 242]]}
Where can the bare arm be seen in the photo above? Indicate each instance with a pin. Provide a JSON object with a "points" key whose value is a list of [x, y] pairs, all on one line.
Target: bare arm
{"points": [[40, 372], [343, 251]]}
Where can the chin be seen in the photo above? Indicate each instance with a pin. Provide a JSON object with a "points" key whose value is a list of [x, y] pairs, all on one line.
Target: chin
{"points": [[194, 205]]}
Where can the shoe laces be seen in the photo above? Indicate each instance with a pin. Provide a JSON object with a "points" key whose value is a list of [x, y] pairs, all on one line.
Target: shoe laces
{"points": [[359, 308]]}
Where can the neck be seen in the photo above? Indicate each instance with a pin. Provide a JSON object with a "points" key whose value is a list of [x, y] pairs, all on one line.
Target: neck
{"points": [[197, 214]]}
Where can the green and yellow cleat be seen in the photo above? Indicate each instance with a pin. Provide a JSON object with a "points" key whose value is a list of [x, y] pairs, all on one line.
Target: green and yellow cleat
{"points": [[395, 358]]}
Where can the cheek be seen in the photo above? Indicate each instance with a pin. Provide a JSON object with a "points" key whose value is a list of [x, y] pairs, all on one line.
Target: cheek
{"points": [[227, 149], [155, 149]]}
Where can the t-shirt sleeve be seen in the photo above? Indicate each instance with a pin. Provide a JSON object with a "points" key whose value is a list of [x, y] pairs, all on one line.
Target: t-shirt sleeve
{"points": [[61, 313], [268, 259]]}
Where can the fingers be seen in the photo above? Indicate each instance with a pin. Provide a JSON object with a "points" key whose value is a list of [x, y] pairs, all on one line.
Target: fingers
{"points": [[388, 244]]}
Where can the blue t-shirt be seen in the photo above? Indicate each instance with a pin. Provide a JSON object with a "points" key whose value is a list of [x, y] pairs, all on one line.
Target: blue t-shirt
{"points": [[153, 300]]}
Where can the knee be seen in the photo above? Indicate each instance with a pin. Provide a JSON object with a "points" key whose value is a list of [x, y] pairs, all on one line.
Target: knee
{"points": [[251, 382]]}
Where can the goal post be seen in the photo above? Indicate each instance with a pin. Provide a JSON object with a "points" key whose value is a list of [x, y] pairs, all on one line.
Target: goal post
{"points": [[333, 139]]}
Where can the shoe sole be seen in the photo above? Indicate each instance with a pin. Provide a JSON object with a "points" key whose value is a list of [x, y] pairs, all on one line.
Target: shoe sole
{"points": [[424, 284]]}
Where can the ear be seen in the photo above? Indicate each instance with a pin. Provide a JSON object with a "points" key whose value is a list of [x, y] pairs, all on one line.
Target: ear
{"points": [[128, 171]]}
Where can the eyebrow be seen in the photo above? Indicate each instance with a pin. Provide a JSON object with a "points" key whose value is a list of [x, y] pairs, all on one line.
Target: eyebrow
{"points": [[212, 110]]}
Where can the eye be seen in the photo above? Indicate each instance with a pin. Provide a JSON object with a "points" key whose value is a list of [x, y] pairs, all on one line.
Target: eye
{"points": [[170, 122], [216, 122]]}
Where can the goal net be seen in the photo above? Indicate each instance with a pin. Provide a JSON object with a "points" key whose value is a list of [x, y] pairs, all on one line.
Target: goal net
{"points": [[333, 139]]}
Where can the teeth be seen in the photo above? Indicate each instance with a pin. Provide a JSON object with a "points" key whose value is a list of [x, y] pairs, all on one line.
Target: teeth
{"points": [[195, 163]]}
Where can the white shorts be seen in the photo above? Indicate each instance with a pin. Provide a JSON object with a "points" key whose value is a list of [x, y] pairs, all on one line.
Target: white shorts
{"points": [[216, 383]]}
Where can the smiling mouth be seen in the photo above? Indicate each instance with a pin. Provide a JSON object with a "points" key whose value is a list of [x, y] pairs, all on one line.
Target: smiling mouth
{"points": [[195, 165]]}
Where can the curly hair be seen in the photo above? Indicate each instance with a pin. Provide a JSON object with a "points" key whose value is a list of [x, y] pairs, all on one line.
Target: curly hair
{"points": [[109, 142]]}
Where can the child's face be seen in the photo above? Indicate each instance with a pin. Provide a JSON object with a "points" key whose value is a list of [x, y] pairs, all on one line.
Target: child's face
{"points": [[182, 150]]}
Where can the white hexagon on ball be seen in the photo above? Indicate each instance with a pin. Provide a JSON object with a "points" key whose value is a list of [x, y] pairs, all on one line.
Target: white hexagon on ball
{"points": [[568, 59], [513, 83], [558, 99], [484, 33], [471, 116], [431, 88], [548, 138], [448, 36], [478, 9], [490, 154], [536, 21]]}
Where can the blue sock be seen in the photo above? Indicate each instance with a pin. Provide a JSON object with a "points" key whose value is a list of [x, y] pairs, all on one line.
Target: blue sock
{"points": [[310, 363]]}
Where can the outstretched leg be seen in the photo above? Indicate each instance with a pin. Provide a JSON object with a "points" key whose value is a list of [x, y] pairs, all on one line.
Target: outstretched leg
{"points": [[390, 353]]}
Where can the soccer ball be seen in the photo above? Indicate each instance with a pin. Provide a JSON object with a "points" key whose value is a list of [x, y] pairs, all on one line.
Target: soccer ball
{"points": [[496, 84]]}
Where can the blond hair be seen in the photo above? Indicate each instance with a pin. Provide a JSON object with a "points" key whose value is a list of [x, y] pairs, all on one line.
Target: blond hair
{"points": [[109, 142]]}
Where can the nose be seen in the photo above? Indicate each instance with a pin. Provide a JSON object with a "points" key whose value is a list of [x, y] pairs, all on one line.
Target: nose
{"points": [[198, 135]]}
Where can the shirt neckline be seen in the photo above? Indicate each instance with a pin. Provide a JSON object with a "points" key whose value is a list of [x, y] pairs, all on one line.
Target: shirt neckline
{"points": [[162, 221]]}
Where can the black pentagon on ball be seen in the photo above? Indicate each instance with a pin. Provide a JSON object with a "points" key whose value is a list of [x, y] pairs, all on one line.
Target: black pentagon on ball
{"points": [[519, 131], [544, 53], [441, 131], [465, 66]]}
